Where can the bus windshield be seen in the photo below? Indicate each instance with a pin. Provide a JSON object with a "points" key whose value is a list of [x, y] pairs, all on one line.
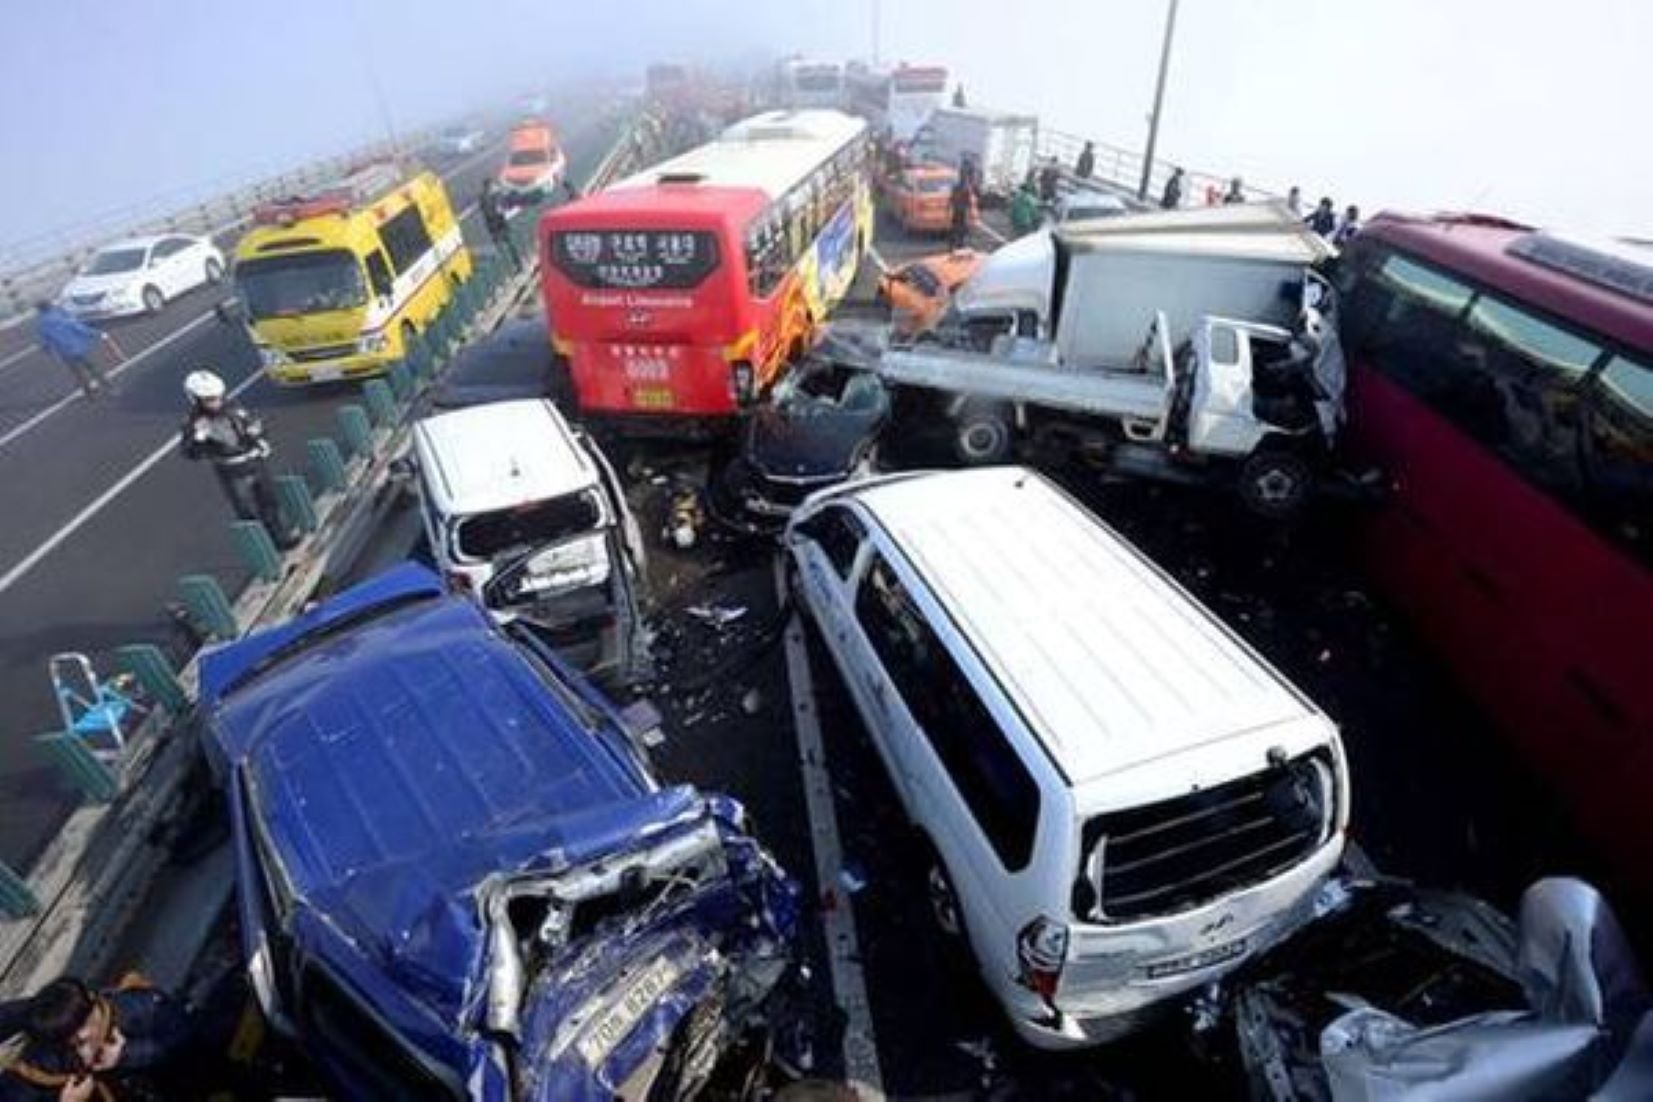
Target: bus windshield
{"points": [[528, 157], [301, 283]]}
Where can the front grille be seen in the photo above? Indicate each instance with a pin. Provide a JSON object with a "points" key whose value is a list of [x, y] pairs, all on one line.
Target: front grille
{"points": [[324, 352], [1179, 853]]}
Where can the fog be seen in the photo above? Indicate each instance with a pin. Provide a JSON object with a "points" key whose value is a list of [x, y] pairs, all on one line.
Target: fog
{"points": [[1512, 107]]}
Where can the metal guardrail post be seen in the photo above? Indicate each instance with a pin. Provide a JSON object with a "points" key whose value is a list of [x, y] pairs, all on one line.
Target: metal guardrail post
{"points": [[381, 403], [356, 429], [326, 463], [149, 665], [296, 502], [257, 549], [400, 379], [205, 599], [17, 899], [85, 771]]}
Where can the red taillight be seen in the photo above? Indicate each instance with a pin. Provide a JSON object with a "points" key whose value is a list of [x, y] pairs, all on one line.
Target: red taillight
{"points": [[1041, 949]]}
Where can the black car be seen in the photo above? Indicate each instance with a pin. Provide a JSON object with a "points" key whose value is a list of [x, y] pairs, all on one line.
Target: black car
{"points": [[514, 362], [820, 427]]}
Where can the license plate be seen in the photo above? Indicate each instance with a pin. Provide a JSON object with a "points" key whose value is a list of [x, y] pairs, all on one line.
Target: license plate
{"points": [[1193, 962], [653, 397], [615, 1023], [325, 374]]}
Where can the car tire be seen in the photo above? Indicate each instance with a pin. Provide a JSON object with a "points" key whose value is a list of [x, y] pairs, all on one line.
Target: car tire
{"points": [[982, 436], [1275, 482], [153, 300], [215, 271]]}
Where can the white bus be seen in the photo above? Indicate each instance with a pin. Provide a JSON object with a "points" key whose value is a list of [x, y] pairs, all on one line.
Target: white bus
{"points": [[897, 99], [799, 83]]}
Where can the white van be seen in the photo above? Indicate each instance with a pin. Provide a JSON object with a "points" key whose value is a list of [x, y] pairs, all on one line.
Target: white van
{"points": [[525, 513], [1121, 800]]}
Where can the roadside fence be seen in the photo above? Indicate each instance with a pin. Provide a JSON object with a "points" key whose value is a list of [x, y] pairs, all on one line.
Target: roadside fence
{"points": [[1121, 169]]}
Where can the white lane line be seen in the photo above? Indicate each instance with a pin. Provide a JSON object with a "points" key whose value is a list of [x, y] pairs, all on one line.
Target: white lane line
{"points": [[76, 522], [77, 395], [849, 984], [18, 355]]}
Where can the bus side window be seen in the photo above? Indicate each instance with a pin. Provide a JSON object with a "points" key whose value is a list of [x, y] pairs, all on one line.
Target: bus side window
{"points": [[378, 275]]}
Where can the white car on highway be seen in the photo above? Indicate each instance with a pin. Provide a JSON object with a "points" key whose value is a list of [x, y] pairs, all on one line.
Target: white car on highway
{"points": [[456, 141], [141, 275]]}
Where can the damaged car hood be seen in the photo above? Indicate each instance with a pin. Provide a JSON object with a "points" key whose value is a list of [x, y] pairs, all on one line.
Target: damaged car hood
{"points": [[793, 443]]}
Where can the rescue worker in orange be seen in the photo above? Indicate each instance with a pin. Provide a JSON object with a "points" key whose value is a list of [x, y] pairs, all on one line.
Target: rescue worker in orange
{"points": [[76, 1044]]}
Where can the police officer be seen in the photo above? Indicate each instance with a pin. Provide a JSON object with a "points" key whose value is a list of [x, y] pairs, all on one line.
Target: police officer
{"points": [[233, 440]]}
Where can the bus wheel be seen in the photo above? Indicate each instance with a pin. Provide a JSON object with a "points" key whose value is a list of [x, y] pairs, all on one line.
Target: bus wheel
{"points": [[982, 435], [1275, 482]]}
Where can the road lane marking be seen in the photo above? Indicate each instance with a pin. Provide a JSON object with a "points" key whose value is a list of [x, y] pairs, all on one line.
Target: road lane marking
{"points": [[78, 395], [18, 355], [849, 983], [80, 519]]}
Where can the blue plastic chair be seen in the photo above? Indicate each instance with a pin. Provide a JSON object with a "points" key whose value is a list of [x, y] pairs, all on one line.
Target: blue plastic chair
{"points": [[96, 711]]}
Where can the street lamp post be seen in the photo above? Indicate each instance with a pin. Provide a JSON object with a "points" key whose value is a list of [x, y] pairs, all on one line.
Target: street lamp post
{"points": [[1159, 100]]}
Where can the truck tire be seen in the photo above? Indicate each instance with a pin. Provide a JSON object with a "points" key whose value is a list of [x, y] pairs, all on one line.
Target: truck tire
{"points": [[1275, 482], [982, 435]]}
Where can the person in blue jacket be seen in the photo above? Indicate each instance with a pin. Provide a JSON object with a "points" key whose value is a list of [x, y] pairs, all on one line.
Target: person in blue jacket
{"points": [[71, 342]]}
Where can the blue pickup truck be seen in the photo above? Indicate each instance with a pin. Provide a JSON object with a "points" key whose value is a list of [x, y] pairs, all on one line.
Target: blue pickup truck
{"points": [[457, 876]]}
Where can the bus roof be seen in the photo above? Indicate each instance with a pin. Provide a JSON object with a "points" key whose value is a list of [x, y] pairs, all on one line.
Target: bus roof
{"points": [[1606, 286], [770, 152]]}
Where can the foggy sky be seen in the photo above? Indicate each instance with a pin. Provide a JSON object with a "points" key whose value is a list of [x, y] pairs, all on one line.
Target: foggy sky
{"points": [[1511, 106]]}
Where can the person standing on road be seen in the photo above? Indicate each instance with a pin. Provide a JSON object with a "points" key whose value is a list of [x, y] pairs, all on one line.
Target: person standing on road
{"points": [[1086, 164], [1294, 201], [499, 228], [1236, 192], [1050, 179], [1172, 199], [73, 343], [962, 206], [1347, 228], [1025, 214], [233, 440], [1323, 219]]}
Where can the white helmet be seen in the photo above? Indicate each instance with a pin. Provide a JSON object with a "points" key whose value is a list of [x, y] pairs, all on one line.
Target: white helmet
{"points": [[203, 386]]}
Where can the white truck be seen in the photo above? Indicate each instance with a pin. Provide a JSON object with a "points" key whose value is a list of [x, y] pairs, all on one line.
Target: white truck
{"points": [[1192, 346], [1003, 144]]}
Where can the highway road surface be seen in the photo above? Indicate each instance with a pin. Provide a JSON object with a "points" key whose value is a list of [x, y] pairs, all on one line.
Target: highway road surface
{"points": [[102, 515]]}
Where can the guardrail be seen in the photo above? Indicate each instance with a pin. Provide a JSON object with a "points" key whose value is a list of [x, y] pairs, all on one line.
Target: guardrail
{"points": [[38, 265], [67, 914], [1121, 168]]}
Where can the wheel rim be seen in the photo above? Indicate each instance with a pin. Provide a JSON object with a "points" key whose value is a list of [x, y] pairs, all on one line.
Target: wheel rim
{"points": [[215, 271], [981, 441], [152, 299], [1276, 486], [943, 905]]}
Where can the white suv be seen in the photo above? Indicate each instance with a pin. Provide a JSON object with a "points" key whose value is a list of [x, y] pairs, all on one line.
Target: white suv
{"points": [[1121, 800], [524, 512]]}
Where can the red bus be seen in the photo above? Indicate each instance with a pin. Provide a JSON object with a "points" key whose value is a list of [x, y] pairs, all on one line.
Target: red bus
{"points": [[686, 289], [1505, 377]]}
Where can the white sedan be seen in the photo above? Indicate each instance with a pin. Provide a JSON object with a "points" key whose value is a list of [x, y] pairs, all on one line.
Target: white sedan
{"points": [[141, 275]]}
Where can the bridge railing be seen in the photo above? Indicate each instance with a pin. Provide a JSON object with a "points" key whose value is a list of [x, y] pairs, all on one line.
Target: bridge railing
{"points": [[36, 266], [1122, 169]]}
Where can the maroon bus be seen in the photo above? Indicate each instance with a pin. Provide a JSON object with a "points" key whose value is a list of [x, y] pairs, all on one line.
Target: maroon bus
{"points": [[1504, 376]]}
